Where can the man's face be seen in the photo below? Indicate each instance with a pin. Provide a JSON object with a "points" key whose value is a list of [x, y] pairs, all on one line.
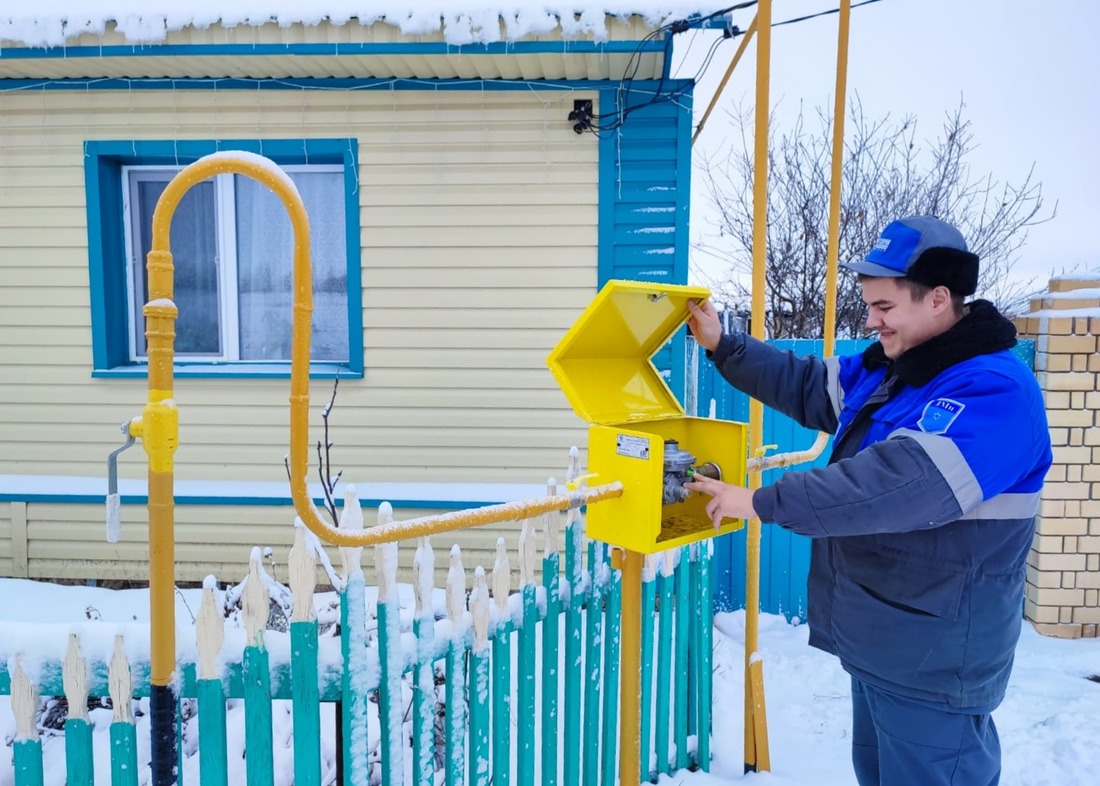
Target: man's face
{"points": [[900, 321]]}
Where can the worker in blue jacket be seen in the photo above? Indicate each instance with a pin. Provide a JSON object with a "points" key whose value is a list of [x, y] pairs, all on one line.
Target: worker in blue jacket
{"points": [[923, 519]]}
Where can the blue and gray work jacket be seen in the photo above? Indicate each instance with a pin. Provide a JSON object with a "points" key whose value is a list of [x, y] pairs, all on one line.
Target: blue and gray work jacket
{"points": [[923, 520]]}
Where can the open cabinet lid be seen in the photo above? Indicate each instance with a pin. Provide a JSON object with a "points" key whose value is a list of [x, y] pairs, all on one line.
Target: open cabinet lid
{"points": [[603, 364]]}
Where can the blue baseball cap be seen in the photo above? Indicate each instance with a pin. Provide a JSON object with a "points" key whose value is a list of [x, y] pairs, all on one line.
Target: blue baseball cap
{"points": [[924, 249]]}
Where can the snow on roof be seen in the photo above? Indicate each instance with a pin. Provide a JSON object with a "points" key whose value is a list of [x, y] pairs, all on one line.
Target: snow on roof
{"points": [[55, 22]]}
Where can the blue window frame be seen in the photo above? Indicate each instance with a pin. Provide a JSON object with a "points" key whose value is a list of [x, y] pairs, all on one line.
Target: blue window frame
{"points": [[234, 301]]}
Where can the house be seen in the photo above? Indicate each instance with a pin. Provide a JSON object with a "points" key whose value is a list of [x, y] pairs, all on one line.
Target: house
{"points": [[471, 180]]}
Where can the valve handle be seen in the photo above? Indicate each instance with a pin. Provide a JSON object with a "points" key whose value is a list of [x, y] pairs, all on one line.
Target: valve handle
{"points": [[114, 504]]}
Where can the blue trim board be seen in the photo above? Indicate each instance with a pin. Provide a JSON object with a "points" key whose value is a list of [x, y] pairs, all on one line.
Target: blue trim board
{"points": [[93, 490], [243, 369], [354, 282], [287, 501], [346, 49], [103, 162], [326, 83]]}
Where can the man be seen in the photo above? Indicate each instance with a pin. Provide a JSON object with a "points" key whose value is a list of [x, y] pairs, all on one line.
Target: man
{"points": [[923, 519]]}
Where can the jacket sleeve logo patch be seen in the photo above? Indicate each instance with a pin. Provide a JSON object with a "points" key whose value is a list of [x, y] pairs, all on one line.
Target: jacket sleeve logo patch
{"points": [[939, 414]]}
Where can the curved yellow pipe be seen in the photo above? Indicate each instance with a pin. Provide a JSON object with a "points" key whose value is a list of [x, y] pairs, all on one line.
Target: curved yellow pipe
{"points": [[269, 174], [160, 375]]}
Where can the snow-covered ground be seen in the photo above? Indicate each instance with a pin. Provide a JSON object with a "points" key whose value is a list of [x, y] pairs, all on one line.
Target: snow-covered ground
{"points": [[1049, 724]]}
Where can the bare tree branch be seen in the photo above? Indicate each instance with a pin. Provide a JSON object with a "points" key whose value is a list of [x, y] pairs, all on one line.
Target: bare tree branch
{"points": [[886, 175]]}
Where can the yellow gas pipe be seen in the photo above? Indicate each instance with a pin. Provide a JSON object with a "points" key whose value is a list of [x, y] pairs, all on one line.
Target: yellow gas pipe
{"points": [[756, 741], [630, 668], [158, 429], [839, 103], [832, 253]]}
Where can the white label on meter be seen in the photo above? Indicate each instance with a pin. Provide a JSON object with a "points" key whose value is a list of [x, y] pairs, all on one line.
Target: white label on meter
{"points": [[634, 447]]}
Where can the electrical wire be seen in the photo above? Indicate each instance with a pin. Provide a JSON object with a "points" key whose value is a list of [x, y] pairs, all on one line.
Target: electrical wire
{"points": [[827, 12], [592, 123], [604, 123]]}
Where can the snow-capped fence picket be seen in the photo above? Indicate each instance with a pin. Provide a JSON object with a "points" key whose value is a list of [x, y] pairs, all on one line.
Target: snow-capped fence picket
{"points": [[529, 675]]}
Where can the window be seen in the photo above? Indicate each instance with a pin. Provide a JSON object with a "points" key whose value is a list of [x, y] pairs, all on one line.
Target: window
{"points": [[231, 243]]}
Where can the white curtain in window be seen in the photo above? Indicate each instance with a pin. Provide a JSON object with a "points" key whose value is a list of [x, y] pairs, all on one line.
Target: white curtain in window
{"points": [[265, 253], [194, 255]]}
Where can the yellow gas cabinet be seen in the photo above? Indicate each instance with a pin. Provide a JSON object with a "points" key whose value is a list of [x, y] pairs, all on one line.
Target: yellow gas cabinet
{"points": [[639, 434]]}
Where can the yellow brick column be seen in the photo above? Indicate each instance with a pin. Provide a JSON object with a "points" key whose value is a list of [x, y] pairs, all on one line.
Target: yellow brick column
{"points": [[1063, 573]]}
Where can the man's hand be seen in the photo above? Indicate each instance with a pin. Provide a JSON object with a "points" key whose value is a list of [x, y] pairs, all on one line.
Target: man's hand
{"points": [[727, 501], [704, 325]]}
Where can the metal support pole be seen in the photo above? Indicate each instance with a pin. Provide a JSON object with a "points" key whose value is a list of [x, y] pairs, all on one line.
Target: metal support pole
{"points": [[630, 671], [833, 252], [756, 748]]}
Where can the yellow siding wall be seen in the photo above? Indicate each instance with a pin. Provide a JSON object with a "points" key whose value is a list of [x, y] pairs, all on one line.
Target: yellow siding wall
{"points": [[7, 510], [66, 541], [478, 229]]}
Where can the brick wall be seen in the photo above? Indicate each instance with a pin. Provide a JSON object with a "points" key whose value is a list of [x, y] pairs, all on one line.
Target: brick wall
{"points": [[1063, 573]]}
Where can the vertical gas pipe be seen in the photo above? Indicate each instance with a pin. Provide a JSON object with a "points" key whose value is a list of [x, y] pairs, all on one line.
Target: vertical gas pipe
{"points": [[158, 427], [833, 253], [630, 670], [756, 750]]}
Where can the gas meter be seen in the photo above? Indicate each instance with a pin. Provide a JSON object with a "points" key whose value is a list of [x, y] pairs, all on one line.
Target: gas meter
{"points": [[638, 433]]}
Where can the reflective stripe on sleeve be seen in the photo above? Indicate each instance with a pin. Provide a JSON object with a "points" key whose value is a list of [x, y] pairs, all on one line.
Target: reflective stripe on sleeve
{"points": [[951, 463], [832, 384]]}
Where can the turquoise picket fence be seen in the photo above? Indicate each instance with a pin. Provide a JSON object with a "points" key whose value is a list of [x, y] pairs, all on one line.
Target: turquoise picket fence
{"points": [[506, 686]]}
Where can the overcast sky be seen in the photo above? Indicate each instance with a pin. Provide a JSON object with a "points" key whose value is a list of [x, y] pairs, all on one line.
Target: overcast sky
{"points": [[1029, 73]]}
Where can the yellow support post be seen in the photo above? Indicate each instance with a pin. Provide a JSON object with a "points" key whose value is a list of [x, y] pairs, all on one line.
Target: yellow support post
{"points": [[630, 670], [759, 716], [833, 251], [756, 748]]}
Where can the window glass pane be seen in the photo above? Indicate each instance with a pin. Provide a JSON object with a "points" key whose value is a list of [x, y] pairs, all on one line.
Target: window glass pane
{"points": [[265, 248], [193, 243]]}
